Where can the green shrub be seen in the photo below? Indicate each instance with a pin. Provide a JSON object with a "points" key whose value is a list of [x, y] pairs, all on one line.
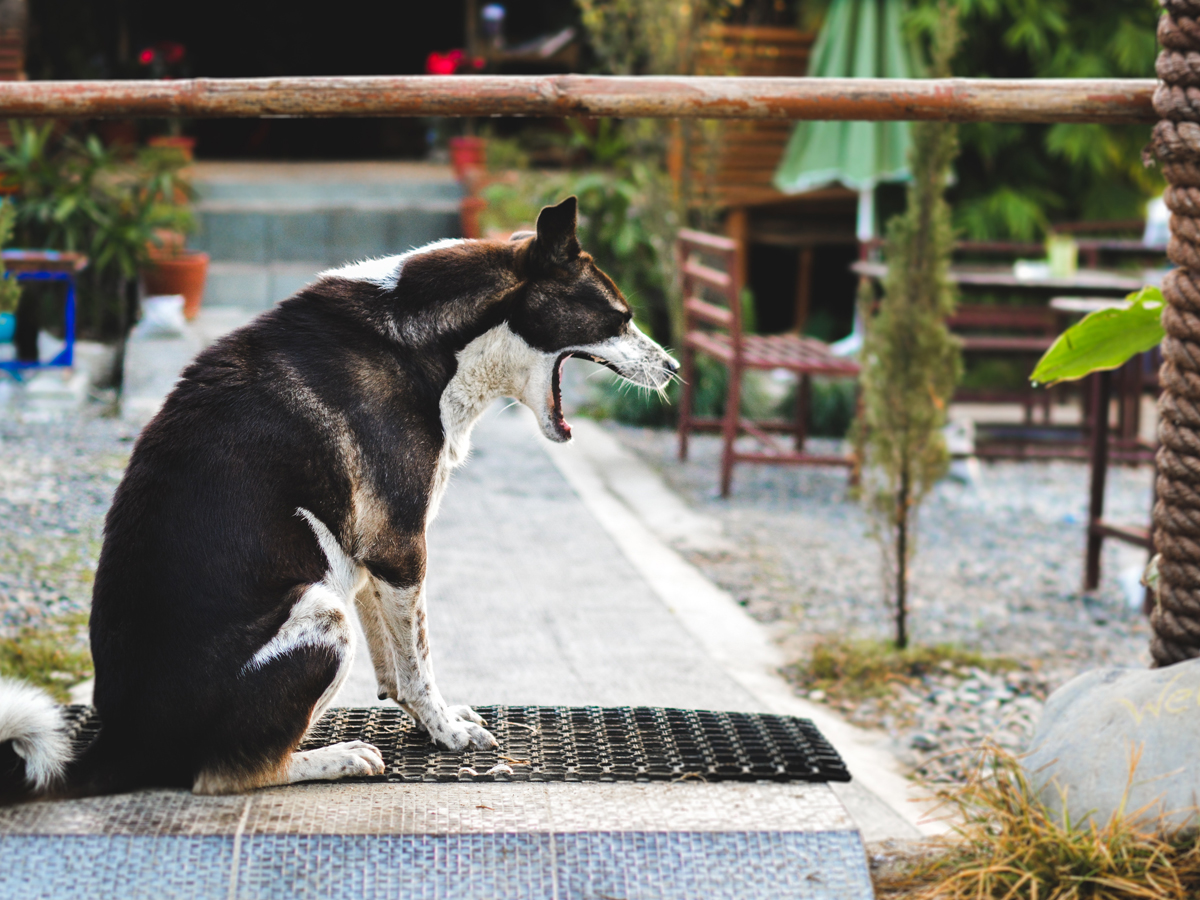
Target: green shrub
{"points": [[833, 406], [10, 288]]}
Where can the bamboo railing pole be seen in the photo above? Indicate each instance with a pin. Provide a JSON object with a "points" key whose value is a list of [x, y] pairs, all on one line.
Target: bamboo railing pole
{"points": [[1109, 101]]}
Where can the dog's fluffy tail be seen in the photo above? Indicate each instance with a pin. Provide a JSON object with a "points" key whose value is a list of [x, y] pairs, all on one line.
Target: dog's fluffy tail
{"points": [[34, 747]]}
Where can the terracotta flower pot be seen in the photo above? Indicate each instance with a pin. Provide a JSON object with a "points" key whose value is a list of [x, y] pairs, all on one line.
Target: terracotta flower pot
{"points": [[470, 209], [184, 144], [467, 154], [178, 274]]}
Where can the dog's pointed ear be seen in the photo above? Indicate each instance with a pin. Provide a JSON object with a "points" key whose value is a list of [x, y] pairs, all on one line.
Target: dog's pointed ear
{"points": [[556, 243]]}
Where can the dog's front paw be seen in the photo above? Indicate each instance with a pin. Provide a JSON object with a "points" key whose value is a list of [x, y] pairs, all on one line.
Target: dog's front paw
{"points": [[352, 759], [465, 712], [461, 728]]}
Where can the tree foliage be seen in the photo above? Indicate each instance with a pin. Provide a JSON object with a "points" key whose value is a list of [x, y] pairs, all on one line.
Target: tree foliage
{"points": [[1014, 180], [649, 37], [910, 360]]}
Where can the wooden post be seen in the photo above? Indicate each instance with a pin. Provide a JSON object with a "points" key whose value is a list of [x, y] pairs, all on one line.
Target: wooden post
{"points": [[803, 408], [804, 267], [1101, 394], [737, 227], [730, 426]]}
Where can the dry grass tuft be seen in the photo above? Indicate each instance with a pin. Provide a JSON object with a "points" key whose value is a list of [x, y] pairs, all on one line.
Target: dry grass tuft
{"points": [[53, 657], [1009, 847], [854, 670]]}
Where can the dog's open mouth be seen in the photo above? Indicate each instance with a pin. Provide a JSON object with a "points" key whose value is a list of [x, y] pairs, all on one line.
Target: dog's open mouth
{"points": [[556, 411]]}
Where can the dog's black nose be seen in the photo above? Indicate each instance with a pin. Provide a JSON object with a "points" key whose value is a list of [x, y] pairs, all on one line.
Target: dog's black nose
{"points": [[672, 366]]}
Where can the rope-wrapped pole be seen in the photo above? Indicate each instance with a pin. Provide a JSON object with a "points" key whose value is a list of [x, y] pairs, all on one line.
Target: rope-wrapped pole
{"points": [[1176, 617]]}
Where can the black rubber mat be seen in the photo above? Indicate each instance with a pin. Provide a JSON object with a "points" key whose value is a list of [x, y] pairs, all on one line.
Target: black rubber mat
{"points": [[582, 743]]}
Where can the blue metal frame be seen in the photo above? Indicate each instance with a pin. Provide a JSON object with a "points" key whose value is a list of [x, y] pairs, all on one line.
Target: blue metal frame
{"points": [[66, 356]]}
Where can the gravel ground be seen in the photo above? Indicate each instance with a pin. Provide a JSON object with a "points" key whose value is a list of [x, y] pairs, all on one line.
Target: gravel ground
{"points": [[57, 478], [998, 570]]}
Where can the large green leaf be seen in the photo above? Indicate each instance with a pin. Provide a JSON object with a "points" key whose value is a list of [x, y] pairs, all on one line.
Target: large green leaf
{"points": [[1104, 339]]}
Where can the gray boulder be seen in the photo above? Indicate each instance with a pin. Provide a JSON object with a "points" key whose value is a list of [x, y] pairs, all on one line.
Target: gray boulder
{"points": [[1093, 727]]}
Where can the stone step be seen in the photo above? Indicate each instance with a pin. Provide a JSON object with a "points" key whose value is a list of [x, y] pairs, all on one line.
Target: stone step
{"points": [[330, 235], [270, 227], [324, 184]]}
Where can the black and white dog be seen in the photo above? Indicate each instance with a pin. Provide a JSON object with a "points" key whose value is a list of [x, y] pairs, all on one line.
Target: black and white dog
{"points": [[293, 472]]}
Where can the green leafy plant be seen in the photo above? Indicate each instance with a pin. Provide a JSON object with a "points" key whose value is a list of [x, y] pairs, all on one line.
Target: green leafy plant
{"points": [[910, 360], [648, 37], [10, 288], [78, 195], [1105, 339], [627, 218]]}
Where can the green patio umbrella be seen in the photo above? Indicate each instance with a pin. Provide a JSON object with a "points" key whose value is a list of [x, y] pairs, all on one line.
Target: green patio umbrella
{"points": [[860, 39]]}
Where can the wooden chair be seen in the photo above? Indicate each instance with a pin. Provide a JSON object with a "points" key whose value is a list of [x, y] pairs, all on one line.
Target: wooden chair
{"points": [[994, 330], [712, 325]]}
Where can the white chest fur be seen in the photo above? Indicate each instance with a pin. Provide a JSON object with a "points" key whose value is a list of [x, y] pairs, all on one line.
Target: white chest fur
{"points": [[496, 364]]}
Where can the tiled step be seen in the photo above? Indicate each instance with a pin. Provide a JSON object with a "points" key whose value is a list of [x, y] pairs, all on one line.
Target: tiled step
{"points": [[442, 842], [270, 227]]}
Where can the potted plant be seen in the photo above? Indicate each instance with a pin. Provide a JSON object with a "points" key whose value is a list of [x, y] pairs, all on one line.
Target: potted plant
{"points": [[166, 60], [172, 269], [10, 288], [78, 195], [168, 266]]}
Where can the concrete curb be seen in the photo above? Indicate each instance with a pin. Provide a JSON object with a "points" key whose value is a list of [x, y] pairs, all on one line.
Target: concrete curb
{"points": [[883, 802]]}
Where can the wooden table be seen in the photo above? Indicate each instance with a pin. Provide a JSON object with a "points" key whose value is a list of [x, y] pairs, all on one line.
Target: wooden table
{"points": [[1096, 287], [1002, 277]]}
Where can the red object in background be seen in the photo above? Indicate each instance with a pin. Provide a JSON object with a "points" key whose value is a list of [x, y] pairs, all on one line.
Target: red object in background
{"points": [[469, 211], [161, 55], [451, 63], [443, 63], [467, 154]]}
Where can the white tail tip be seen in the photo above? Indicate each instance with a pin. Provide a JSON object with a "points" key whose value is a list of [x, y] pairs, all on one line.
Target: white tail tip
{"points": [[34, 723]]}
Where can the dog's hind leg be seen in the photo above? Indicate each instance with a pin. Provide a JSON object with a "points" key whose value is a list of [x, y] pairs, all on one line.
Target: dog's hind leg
{"points": [[394, 621], [281, 691]]}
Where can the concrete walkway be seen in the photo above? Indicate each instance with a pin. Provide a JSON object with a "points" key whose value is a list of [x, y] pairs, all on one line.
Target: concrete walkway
{"points": [[551, 582], [531, 601]]}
